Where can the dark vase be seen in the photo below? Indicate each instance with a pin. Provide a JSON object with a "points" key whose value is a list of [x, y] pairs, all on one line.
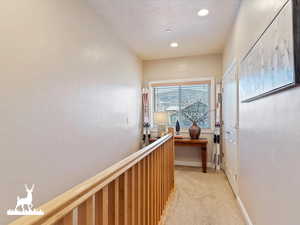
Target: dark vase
{"points": [[177, 127], [194, 131]]}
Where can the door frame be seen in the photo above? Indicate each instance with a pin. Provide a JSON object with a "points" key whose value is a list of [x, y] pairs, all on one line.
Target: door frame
{"points": [[234, 65]]}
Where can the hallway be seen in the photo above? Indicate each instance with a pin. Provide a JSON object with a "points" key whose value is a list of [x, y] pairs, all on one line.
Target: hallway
{"points": [[102, 99], [202, 199]]}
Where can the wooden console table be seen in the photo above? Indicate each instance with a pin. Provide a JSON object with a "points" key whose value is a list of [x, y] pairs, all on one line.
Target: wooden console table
{"points": [[202, 143]]}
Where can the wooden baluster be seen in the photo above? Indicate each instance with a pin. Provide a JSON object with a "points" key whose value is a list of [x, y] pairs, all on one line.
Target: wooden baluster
{"points": [[67, 220], [158, 183], [135, 193], [60, 222], [168, 171], [117, 201], [172, 160], [151, 188], [169, 168], [171, 157], [143, 191], [134, 205], [159, 177], [155, 185], [101, 207], [123, 199], [113, 202], [165, 165], [82, 214], [162, 177], [138, 192], [166, 174], [161, 180], [86, 212], [148, 189], [130, 194], [90, 211]]}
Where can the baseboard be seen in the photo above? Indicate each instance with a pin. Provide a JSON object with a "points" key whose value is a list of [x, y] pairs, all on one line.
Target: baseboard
{"points": [[244, 211], [240, 203], [192, 163]]}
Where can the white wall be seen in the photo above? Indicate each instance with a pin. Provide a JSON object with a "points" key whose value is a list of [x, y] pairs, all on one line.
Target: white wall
{"points": [[269, 132], [70, 98], [183, 68], [193, 67]]}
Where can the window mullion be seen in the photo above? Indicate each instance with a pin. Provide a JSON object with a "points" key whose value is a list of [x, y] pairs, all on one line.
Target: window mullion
{"points": [[180, 104], [154, 100]]}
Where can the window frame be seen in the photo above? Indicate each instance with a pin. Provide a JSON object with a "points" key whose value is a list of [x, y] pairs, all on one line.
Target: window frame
{"points": [[166, 82]]}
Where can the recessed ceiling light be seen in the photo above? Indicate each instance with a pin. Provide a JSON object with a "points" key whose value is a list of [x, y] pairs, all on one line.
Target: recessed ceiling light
{"points": [[168, 30], [174, 45], [203, 12]]}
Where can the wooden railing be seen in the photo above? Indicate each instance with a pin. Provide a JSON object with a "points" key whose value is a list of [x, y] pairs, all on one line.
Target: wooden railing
{"points": [[132, 192]]}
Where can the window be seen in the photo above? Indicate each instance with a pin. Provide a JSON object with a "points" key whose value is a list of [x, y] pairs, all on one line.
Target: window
{"points": [[185, 101]]}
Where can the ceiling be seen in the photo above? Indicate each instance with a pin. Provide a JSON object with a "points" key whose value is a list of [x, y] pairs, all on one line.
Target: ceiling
{"points": [[142, 24]]}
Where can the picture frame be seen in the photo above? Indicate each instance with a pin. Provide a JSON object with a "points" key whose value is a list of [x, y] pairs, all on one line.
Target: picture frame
{"points": [[273, 62]]}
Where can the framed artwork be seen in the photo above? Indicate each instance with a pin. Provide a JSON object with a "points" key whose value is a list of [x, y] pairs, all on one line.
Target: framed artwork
{"points": [[273, 62]]}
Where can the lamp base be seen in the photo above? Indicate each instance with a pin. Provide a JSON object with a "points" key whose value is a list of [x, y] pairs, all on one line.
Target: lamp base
{"points": [[161, 131]]}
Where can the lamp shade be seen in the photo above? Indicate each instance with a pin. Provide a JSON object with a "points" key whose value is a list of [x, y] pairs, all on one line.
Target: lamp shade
{"points": [[161, 118]]}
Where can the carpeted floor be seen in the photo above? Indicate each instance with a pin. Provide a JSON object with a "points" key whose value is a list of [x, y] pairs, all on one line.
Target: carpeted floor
{"points": [[202, 199]]}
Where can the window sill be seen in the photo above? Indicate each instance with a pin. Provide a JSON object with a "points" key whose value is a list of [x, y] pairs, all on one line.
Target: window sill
{"points": [[186, 131], [203, 131]]}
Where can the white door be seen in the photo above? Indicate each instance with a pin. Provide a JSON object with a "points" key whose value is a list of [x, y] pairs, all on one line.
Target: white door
{"points": [[230, 126]]}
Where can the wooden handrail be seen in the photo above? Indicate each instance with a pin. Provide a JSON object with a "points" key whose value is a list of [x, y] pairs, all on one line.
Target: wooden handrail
{"points": [[148, 170]]}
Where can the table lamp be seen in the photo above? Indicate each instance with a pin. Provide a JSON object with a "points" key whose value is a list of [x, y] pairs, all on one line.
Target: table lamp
{"points": [[161, 119]]}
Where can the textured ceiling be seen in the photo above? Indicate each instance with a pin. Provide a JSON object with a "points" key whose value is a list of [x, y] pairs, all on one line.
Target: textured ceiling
{"points": [[142, 24]]}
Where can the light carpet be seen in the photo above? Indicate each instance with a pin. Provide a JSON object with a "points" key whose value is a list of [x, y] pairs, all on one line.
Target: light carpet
{"points": [[202, 199]]}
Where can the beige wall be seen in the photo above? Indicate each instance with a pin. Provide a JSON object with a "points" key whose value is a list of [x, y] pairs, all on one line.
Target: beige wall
{"points": [[193, 67], [183, 68], [269, 132], [70, 98]]}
